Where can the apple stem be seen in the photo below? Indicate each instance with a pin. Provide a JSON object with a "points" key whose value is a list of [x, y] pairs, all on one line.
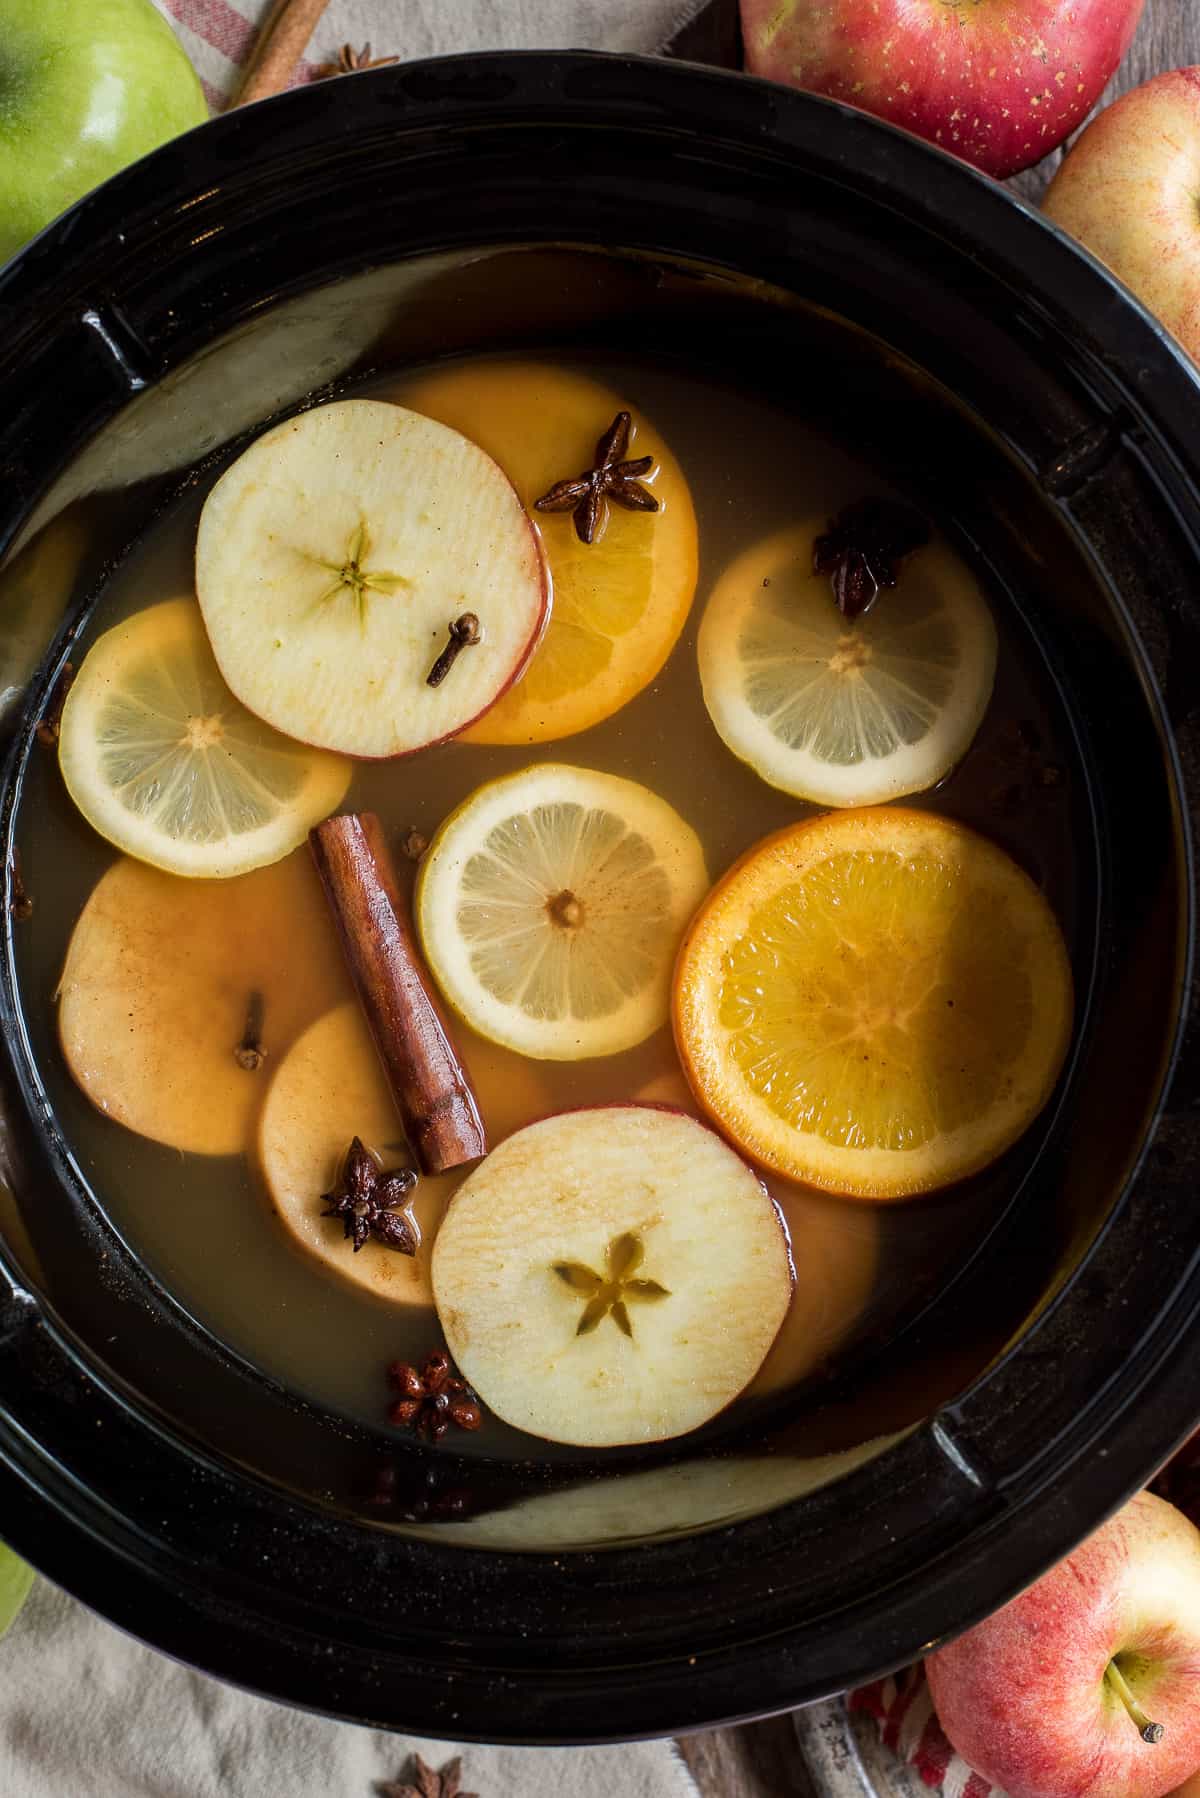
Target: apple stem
{"points": [[1149, 1732]]}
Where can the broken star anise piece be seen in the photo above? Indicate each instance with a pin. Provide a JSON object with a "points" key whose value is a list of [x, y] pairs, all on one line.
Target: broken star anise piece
{"points": [[432, 1397], [608, 479], [350, 61], [862, 549], [370, 1202], [427, 1783]]}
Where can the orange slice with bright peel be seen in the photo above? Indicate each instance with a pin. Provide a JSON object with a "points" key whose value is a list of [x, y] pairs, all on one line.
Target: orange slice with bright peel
{"points": [[875, 1002], [619, 602]]}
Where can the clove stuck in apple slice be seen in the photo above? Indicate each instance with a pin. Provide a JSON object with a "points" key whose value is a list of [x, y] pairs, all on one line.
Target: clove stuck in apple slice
{"points": [[612, 1275], [369, 579]]}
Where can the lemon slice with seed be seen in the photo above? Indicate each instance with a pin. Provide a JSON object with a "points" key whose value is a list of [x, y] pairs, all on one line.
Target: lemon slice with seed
{"points": [[845, 713], [551, 905], [621, 601], [877, 1002], [163, 761]]}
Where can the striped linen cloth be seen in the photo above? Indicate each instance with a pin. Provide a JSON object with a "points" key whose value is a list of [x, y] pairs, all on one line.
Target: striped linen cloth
{"points": [[218, 35]]}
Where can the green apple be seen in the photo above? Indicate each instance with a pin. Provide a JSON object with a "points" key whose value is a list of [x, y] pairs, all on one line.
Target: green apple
{"points": [[86, 86], [15, 1581]]}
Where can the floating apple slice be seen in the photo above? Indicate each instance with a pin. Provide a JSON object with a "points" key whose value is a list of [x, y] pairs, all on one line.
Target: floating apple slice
{"points": [[611, 1276], [835, 1249], [700, 1493], [335, 556], [331, 1088], [161, 977]]}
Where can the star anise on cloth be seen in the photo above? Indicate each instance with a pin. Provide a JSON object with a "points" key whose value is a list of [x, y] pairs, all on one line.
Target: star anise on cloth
{"points": [[369, 1202], [608, 479], [349, 61], [428, 1783], [432, 1397], [862, 549]]}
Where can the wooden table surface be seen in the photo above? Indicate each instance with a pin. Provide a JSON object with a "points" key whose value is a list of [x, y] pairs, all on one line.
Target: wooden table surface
{"points": [[759, 1760]]}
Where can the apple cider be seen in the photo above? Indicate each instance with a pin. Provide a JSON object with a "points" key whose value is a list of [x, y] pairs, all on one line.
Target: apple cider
{"points": [[658, 599]]}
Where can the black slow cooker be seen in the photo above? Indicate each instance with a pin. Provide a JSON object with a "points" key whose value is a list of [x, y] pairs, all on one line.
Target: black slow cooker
{"points": [[273, 256]]}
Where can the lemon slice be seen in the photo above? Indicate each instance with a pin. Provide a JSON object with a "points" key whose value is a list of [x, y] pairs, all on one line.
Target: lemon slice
{"points": [[846, 713], [875, 1002], [163, 761], [550, 907], [619, 602]]}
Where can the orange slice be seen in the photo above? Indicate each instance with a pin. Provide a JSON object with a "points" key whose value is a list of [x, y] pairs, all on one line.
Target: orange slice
{"points": [[619, 602], [874, 1002]]}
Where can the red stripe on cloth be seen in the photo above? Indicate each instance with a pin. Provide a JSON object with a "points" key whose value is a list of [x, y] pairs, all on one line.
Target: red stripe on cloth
{"points": [[869, 1699], [218, 23], [214, 96], [933, 1755]]}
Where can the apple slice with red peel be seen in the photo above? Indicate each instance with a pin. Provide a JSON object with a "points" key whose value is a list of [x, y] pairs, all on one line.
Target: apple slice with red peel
{"points": [[614, 1275], [331, 1088], [369, 579]]}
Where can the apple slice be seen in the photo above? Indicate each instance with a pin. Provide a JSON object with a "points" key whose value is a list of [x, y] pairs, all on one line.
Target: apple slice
{"points": [[331, 1088], [835, 1251], [609, 1276], [161, 977], [369, 579]]}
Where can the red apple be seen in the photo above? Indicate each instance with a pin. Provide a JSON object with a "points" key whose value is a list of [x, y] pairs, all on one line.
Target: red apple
{"points": [[1127, 191], [1088, 1684], [999, 82]]}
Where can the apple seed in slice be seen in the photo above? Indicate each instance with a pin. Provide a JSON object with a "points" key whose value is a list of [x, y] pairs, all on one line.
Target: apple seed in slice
{"points": [[369, 579], [613, 1275]]}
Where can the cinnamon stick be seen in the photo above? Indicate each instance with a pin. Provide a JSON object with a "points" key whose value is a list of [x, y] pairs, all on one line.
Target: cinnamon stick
{"points": [[281, 43], [431, 1087]]}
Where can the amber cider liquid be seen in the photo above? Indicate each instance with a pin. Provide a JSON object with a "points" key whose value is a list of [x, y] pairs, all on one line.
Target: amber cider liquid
{"points": [[866, 1274]]}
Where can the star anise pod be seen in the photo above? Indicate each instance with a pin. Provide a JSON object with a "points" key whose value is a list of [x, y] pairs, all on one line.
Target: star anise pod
{"points": [[369, 1202], [349, 61], [608, 479], [862, 549], [432, 1397], [429, 1784]]}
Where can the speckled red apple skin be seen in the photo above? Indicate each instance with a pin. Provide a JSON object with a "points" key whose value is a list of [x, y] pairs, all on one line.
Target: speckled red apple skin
{"points": [[1022, 1696], [1127, 190], [1000, 83]]}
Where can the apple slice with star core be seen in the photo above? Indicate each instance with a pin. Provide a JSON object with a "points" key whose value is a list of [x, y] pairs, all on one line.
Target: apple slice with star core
{"points": [[369, 579], [612, 1275]]}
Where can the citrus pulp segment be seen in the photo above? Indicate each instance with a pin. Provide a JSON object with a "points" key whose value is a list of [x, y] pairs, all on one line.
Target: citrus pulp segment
{"points": [[875, 1002], [619, 602], [838, 712], [334, 556], [550, 906], [164, 762]]}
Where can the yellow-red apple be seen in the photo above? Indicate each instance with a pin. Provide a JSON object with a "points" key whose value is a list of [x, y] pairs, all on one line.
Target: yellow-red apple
{"points": [[999, 82], [1127, 190], [1088, 1684]]}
